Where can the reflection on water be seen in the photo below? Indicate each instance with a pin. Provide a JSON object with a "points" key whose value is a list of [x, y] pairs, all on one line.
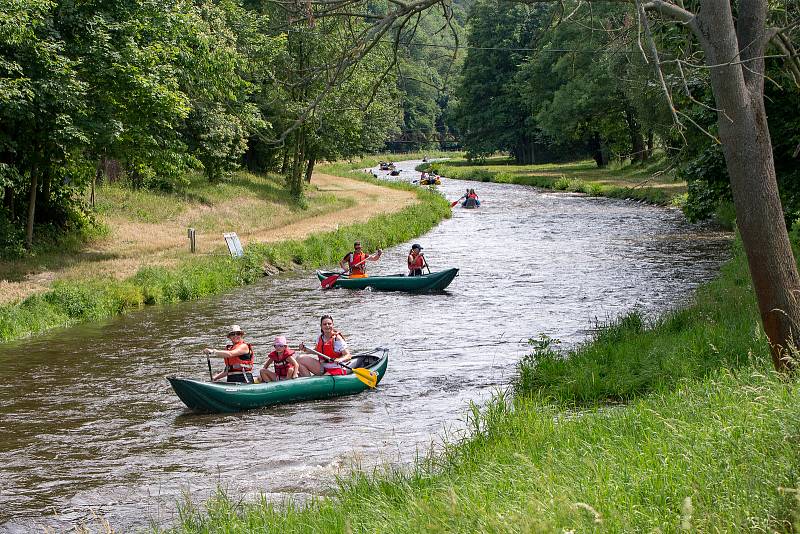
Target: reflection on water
{"points": [[89, 425]]}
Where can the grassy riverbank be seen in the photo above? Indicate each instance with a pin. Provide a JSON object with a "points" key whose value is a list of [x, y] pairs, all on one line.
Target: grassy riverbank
{"points": [[645, 182], [676, 425], [187, 277]]}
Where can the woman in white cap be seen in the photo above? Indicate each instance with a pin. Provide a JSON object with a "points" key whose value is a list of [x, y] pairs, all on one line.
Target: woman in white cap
{"points": [[416, 261], [283, 360], [238, 356]]}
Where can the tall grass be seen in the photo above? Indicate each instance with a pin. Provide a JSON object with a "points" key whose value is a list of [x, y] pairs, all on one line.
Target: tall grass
{"points": [[69, 302], [700, 436], [580, 177]]}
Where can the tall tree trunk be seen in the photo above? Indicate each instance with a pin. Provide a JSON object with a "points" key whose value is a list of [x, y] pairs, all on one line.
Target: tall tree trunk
{"points": [[743, 130], [650, 141], [31, 208], [310, 166], [8, 201], [635, 133]]}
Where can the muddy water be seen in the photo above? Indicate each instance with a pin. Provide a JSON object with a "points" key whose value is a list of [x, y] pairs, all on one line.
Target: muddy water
{"points": [[90, 431]]}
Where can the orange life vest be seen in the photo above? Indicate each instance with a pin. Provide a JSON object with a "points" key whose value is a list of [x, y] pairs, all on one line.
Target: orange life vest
{"points": [[358, 263], [416, 263], [326, 348], [281, 363], [240, 364]]}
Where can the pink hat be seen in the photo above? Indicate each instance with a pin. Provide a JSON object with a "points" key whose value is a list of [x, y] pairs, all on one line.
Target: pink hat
{"points": [[280, 340]]}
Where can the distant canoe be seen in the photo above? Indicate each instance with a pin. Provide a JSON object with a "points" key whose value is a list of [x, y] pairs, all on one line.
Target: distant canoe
{"points": [[229, 397], [428, 282]]}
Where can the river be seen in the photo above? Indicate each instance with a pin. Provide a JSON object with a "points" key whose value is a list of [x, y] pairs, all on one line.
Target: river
{"points": [[90, 432]]}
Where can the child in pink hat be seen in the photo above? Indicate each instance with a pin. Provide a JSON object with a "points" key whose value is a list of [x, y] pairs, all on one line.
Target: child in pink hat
{"points": [[282, 360]]}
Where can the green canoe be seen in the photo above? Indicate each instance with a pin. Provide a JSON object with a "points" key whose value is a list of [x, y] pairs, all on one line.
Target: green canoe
{"points": [[232, 397], [396, 282]]}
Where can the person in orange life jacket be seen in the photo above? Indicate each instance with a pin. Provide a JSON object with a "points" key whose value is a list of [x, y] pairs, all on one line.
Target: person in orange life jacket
{"points": [[355, 262], [416, 261], [331, 344], [283, 360], [238, 357]]}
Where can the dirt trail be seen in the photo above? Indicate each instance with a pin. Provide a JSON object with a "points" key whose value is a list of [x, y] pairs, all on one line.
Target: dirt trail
{"points": [[133, 245]]}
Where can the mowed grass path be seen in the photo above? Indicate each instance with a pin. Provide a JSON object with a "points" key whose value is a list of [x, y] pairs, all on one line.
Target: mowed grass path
{"points": [[145, 228]]}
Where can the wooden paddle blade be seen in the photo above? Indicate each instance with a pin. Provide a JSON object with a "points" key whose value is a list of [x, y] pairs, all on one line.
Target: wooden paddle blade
{"points": [[328, 282], [366, 376]]}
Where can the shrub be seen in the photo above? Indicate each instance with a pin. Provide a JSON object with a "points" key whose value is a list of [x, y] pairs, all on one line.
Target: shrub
{"points": [[561, 184]]}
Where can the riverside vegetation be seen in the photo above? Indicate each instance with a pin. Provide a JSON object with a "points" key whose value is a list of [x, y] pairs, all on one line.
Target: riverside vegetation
{"points": [[652, 181], [675, 424], [192, 277]]}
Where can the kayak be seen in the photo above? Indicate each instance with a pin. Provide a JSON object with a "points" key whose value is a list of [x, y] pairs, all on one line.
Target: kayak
{"points": [[470, 204], [226, 397], [396, 282], [430, 181]]}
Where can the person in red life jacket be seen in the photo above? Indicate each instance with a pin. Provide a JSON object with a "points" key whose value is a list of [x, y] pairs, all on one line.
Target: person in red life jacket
{"points": [[416, 261], [330, 343], [238, 356], [283, 361], [356, 262]]}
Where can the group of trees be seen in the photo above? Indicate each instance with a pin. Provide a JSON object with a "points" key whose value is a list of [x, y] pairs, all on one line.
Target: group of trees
{"points": [[155, 89]]}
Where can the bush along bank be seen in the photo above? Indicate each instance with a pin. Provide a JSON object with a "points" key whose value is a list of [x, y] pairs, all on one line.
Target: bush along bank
{"points": [[561, 182], [700, 436], [70, 302]]}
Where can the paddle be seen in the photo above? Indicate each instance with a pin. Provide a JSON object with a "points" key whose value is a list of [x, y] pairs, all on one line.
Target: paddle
{"points": [[426, 262], [210, 372], [329, 281], [453, 203], [364, 375]]}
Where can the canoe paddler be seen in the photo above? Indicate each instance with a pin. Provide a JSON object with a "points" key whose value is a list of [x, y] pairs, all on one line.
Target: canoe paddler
{"points": [[238, 356], [416, 260], [330, 343], [282, 360], [355, 263]]}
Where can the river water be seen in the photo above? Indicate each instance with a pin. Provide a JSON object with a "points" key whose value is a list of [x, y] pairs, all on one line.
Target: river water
{"points": [[90, 432]]}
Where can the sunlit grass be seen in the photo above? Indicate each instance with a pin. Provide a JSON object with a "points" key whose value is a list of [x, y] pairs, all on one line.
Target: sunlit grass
{"points": [[649, 181], [195, 277], [676, 425]]}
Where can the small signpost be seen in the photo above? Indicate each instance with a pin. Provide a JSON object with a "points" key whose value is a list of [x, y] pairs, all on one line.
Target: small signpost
{"points": [[192, 240], [234, 245]]}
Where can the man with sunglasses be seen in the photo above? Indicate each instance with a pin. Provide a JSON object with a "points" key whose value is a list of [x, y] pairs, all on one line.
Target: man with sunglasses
{"points": [[355, 262]]}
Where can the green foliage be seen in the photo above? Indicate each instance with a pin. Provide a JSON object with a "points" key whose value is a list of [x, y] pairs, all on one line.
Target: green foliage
{"points": [[74, 301]]}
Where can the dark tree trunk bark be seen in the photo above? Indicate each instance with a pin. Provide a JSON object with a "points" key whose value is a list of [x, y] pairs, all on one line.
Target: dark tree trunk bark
{"points": [[31, 208], [747, 147], [650, 141], [635, 132], [310, 167], [8, 201]]}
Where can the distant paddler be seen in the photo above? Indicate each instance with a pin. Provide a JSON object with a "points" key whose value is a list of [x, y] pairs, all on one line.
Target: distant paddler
{"points": [[416, 261], [355, 262], [238, 356]]}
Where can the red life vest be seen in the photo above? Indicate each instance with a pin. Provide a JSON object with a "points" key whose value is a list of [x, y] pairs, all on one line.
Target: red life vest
{"points": [[240, 364], [472, 195], [326, 348], [281, 363], [357, 262], [416, 263]]}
